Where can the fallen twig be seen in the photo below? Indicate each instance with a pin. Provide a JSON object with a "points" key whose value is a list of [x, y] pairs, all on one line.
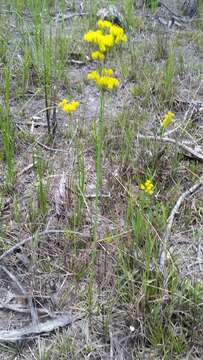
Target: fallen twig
{"points": [[50, 148], [161, 4], [32, 331], [62, 17], [39, 143], [33, 311], [167, 234], [27, 168], [30, 238], [42, 233], [200, 256], [31, 123], [14, 279], [23, 310], [196, 152], [185, 19], [76, 62]]}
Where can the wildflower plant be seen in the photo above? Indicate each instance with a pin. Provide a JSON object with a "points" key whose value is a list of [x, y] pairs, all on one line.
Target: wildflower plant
{"points": [[166, 122], [103, 39], [68, 108], [147, 187], [168, 118]]}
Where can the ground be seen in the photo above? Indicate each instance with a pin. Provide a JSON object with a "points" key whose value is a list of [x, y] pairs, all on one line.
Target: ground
{"points": [[92, 239]]}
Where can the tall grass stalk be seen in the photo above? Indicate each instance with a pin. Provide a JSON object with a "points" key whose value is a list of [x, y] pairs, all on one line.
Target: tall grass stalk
{"points": [[41, 43], [80, 190], [41, 190], [47, 73], [151, 4], [168, 76], [7, 132], [129, 10], [92, 10]]}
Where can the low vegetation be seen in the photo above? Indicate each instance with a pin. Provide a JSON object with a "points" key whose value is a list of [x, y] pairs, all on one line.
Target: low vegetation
{"points": [[101, 178]]}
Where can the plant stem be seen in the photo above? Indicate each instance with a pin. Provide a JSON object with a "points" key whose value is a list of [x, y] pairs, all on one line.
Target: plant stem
{"points": [[46, 99], [98, 165], [99, 148]]}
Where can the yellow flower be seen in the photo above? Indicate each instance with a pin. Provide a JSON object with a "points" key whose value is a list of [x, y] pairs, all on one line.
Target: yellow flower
{"points": [[99, 39], [103, 24], [104, 42], [116, 30], [118, 33], [147, 186], [168, 119], [105, 37], [108, 40], [107, 72], [120, 39], [93, 76], [62, 103], [93, 37], [97, 55], [106, 81], [89, 36], [68, 107]]}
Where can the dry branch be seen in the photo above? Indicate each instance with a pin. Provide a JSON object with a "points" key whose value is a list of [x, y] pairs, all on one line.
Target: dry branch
{"points": [[23, 310], [48, 148], [62, 17], [14, 279], [33, 311], [30, 332], [30, 238], [167, 234], [196, 152], [24, 170]]}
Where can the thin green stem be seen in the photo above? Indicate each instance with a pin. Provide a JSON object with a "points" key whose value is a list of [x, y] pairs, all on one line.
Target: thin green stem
{"points": [[99, 150], [98, 165]]}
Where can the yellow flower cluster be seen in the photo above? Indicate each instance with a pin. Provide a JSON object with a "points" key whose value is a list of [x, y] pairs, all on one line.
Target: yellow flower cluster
{"points": [[68, 107], [97, 55], [105, 38], [147, 186], [106, 81], [118, 34], [103, 41], [168, 119], [107, 72], [104, 24]]}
